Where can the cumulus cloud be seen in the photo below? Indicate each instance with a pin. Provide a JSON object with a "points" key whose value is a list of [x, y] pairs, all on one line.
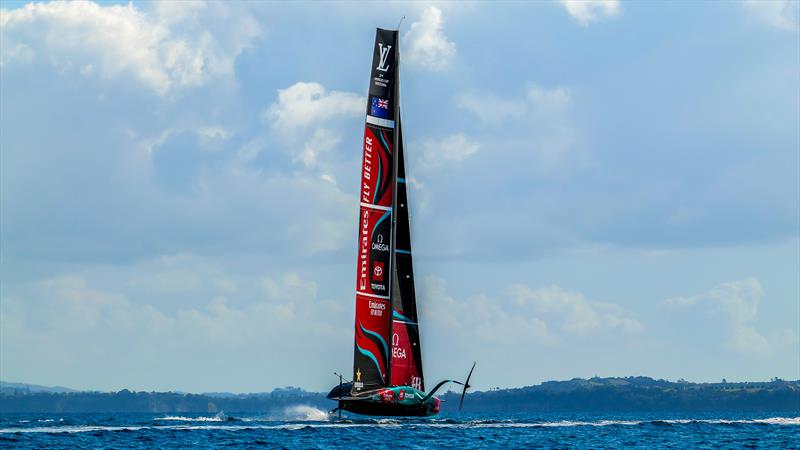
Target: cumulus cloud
{"points": [[302, 105], [449, 149], [307, 119], [520, 334], [782, 14], [480, 318], [272, 316], [171, 46], [733, 307], [179, 163], [572, 311], [322, 141], [540, 316], [426, 44], [587, 11]]}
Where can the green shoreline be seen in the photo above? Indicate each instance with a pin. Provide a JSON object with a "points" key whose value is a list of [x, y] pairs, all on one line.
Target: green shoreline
{"points": [[595, 394]]}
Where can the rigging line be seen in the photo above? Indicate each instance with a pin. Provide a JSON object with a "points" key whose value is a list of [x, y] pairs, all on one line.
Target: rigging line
{"points": [[401, 22]]}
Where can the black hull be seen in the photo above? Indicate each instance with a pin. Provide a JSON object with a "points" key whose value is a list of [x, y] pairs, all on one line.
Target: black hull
{"points": [[378, 408], [385, 402]]}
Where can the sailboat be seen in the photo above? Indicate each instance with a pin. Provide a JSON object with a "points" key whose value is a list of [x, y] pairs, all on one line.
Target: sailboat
{"points": [[387, 364]]}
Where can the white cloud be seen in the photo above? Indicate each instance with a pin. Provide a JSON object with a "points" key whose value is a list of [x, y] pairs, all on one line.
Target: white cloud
{"points": [[538, 103], [587, 11], [322, 141], [549, 100], [307, 119], [449, 149], [132, 333], [174, 45], [73, 308], [518, 333], [425, 43], [572, 311], [174, 274], [187, 170], [541, 112], [491, 109], [303, 105], [214, 132], [521, 314], [735, 301], [480, 319], [782, 14], [734, 306]]}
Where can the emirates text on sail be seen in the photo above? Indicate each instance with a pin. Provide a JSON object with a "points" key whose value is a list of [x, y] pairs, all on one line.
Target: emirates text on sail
{"points": [[365, 195], [362, 278]]}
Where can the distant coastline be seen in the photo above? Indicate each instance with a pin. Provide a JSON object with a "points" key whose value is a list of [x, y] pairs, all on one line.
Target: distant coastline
{"points": [[595, 394]]}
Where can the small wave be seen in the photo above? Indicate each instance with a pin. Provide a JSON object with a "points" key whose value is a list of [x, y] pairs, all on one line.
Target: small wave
{"points": [[511, 424], [768, 421], [481, 421], [780, 421], [192, 419], [75, 429], [39, 420]]}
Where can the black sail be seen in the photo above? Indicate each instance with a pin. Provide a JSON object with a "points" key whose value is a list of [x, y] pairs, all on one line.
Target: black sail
{"points": [[406, 347]]}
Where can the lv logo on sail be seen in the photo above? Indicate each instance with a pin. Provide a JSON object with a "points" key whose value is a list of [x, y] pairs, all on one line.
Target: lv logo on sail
{"points": [[383, 67]]}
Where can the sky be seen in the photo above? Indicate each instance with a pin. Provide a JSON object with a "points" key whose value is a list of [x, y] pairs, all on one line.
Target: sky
{"points": [[604, 188]]}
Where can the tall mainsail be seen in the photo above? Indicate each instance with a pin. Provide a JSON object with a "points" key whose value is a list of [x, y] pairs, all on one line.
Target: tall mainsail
{"points": [[387, 346], [374, 271]]}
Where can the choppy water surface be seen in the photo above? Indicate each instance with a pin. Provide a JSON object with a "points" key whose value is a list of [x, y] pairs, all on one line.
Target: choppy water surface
{"points": [[307, 427]]}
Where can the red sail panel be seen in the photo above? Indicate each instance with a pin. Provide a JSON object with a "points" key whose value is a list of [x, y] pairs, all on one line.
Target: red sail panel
{"points": [[372, 349], [376, 174], [406, 368], [374, 241], [375, 218], [372, 353]]}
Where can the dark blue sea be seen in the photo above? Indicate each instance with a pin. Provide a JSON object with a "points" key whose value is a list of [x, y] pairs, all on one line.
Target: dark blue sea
{"points": [[306, 427]]}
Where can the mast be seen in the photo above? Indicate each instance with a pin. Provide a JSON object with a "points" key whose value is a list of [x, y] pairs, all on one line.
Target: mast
{"points": [[395, 154]]}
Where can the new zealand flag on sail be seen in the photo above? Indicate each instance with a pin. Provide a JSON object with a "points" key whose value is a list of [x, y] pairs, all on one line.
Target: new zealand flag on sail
{"points": [[379, 107]]}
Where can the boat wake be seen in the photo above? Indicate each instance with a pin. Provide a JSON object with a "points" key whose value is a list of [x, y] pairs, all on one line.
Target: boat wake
{"points": [[302, 415], [219, 417], [305, 413]]}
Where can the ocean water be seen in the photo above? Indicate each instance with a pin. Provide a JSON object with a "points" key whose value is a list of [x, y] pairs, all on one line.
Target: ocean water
{"points": [[307, 427]]}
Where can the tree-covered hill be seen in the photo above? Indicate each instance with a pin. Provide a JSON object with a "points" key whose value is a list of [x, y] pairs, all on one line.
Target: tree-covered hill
{"points": [[594, 394]]}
